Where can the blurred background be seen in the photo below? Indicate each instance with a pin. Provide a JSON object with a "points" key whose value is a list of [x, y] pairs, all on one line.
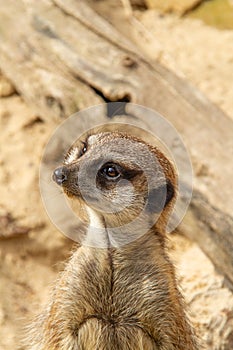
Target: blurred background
{"points": [[57, 58]]}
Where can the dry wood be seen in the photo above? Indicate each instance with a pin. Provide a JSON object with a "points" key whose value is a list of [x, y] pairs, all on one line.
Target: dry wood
{"points": [[61, 56]]}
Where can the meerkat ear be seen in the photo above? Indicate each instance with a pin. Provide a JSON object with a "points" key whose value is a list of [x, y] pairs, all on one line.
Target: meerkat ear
{"points": [[159, 197]]}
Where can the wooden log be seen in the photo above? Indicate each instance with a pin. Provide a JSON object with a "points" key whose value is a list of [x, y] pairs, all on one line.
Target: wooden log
{"points": [[61, 56], [211, 228]]}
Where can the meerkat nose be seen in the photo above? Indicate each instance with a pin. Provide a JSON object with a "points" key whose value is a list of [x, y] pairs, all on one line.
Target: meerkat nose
{"points": [[60, 175]]}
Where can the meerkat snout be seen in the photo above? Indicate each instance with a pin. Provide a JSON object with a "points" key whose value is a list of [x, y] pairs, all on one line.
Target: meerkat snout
{"points": [[60, 175]]}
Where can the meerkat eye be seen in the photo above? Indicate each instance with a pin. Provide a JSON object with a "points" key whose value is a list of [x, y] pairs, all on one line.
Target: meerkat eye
{"points": [[111, 172], [84, 149]]}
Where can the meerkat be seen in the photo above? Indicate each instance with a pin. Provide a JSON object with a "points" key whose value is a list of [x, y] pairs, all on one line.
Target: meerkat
{"points": [[119, 290]]}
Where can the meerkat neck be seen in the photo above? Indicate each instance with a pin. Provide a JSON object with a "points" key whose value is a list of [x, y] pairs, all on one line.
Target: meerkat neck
{"points": [[152, 241], [100, 234], [96, 235]]}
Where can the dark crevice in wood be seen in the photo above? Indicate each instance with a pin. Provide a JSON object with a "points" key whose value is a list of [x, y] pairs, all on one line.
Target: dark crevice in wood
{"points": [[125, 98], [193, 7]]}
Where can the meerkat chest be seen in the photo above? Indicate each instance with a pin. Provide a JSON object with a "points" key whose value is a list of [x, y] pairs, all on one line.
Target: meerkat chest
{"points": [[110, 304], [115, 291]]}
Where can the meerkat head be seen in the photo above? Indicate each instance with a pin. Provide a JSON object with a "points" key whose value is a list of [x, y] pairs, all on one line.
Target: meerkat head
{"points": [[119, 179]]}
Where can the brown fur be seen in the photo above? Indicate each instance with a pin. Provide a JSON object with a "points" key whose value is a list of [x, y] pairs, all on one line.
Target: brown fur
{"points": [[123, 298]]}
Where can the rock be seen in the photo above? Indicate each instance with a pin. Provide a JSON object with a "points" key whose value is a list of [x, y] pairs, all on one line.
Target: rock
{"points": [[178, 6], [6, 88], [9, 227], [209, 300]]}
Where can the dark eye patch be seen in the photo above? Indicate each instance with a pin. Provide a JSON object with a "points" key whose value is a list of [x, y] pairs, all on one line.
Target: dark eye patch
{"points": [[115, 171], [130, 173]]}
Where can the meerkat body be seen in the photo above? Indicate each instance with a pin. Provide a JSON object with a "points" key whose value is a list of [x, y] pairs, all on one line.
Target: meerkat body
{"points": [[117, 296]]}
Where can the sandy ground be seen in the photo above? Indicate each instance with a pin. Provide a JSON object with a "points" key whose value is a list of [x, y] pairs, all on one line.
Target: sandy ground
{"points": [[30, 263]]}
